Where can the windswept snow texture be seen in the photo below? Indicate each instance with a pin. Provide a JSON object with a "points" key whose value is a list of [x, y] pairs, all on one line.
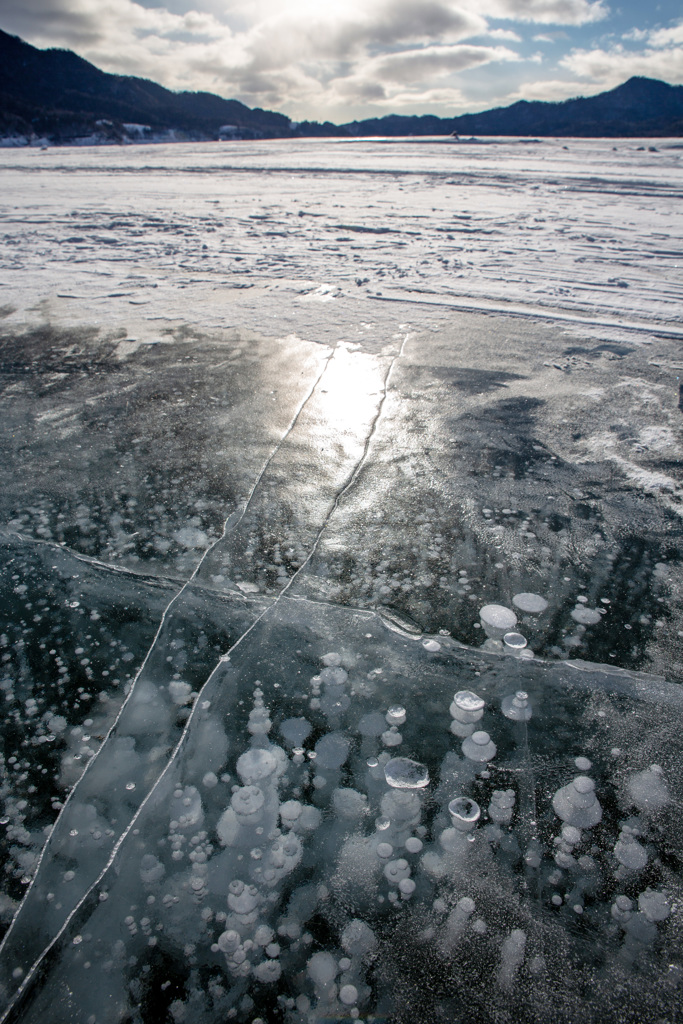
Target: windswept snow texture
{"points": [[587, 227], [340, 545]]}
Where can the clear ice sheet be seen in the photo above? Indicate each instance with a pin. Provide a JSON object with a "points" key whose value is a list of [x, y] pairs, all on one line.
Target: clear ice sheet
{"points": [[155, 933], [291, 441], [484, 482], [132, 460], [74, 636]]}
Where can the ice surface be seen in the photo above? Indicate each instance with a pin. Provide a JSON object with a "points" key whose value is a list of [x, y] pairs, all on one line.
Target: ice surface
{"points": [[268, 453], [242, 921]]}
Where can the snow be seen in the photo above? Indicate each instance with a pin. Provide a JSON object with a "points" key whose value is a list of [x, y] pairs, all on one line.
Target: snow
{"points": [[290, 429], [500, 227]]}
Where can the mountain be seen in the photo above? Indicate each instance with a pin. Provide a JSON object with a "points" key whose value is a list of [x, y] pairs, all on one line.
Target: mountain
{"points": [[639, 107], [59, 97]]}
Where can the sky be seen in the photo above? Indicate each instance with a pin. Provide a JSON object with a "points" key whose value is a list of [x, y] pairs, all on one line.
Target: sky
{"points": [[339, 60]]}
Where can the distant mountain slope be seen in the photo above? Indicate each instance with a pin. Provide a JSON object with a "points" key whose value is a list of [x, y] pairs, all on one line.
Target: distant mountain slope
{"points": [[56, 95], [639, 107]]}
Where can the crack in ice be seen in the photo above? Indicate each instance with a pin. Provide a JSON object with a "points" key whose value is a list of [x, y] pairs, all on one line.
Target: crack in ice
{"points": [[26, 984], [230, 523]]}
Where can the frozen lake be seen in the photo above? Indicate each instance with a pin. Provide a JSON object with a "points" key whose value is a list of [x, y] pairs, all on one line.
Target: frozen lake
{"points": [[340, 518]]}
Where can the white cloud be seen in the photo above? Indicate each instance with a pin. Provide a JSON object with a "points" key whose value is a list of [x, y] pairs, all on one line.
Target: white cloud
{"points": [[305, 57], [611, 67], [428, 98], [636, 34], [124, 37], [92, 24], [504, 33], [416, 81], [548, 12], [406, 101], [667, 36], [351, 34], [662, 58], [435, 61], [550, 37], [553, 90]]}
